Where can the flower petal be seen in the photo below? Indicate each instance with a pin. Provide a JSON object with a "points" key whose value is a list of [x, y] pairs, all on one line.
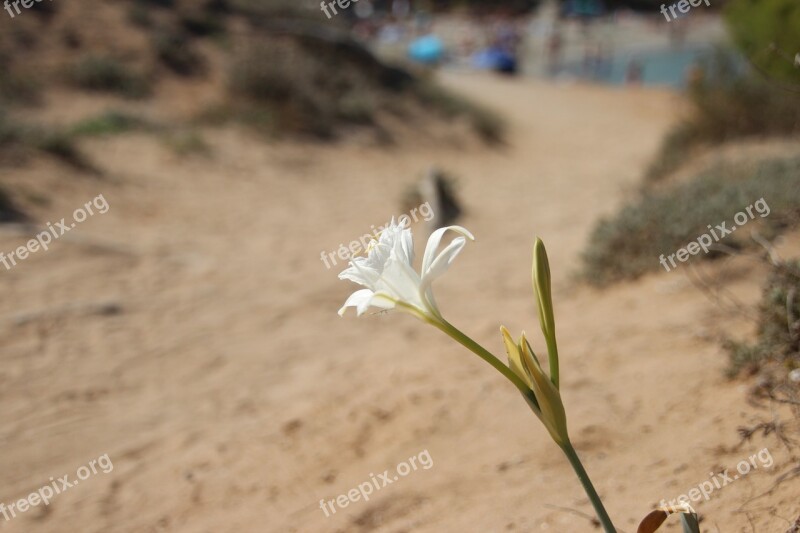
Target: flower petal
{"points": [[514, 358], [433, 244], [404, 247], [364, 299], [553, 415], [402, 282], [442, 262], [360, 272], [359, 299]]}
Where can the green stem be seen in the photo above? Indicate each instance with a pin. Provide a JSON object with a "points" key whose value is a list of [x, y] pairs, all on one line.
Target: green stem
{"points": [[602, 515], [552, 358], [530, 398], [481, 352]]}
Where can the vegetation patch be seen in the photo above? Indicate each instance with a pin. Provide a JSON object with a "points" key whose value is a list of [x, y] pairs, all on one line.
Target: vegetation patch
{"points": [[488, 124], [727, 105], [106, 74], [108, 123], [175, 50], [766, 31], [731, 100], [8, 211], [18, 140], [778, 340], [629, 243]]}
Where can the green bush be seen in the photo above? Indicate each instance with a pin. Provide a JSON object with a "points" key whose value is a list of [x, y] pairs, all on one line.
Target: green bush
{"points": [[107, 123], [105, 74], [768, 33], [659, 222], [15, 88], [298, 90], [317, 80], [17, 140], [778, 324], [62, 146]]}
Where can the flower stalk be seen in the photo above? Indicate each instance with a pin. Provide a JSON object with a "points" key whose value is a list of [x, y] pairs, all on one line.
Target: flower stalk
{"points": [[597, 503], [390, 282]]}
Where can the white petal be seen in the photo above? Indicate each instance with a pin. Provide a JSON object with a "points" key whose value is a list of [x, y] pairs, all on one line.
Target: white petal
{"points": [[433, 244], [377, 256], [402, 282], [359, 299], [443, 260], [364, 299], [404, 247], [382, 301], [359, 272]]}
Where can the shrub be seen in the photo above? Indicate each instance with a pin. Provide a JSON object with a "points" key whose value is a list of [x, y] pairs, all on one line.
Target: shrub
{"points": [[108, 123], [778, 339], [486, 123], [63, 147], [139, 15], [727, 105], [186, 143], [11, 133], [659, 222], [16, 87], [18, 139], [106, 74], [295, 88], [176, 52], [203, 23], [768, 33], [8, 211], [315, 79]]}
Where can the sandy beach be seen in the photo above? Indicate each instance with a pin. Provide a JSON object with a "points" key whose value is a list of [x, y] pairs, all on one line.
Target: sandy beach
{"points": [[190, 333]]}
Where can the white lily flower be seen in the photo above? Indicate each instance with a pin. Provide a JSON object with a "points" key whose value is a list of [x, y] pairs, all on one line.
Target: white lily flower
{"points": [[388, 274]]}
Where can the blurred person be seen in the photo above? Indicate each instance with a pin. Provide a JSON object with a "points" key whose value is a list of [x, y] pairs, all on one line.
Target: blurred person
{"points": [[677, 34], [554, 48], [391, 31], [634, 72], [501, 54], [401, 9], [364, 9]]}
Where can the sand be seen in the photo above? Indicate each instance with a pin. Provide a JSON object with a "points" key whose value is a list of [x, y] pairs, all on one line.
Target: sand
{"points": [[191, 334]]}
